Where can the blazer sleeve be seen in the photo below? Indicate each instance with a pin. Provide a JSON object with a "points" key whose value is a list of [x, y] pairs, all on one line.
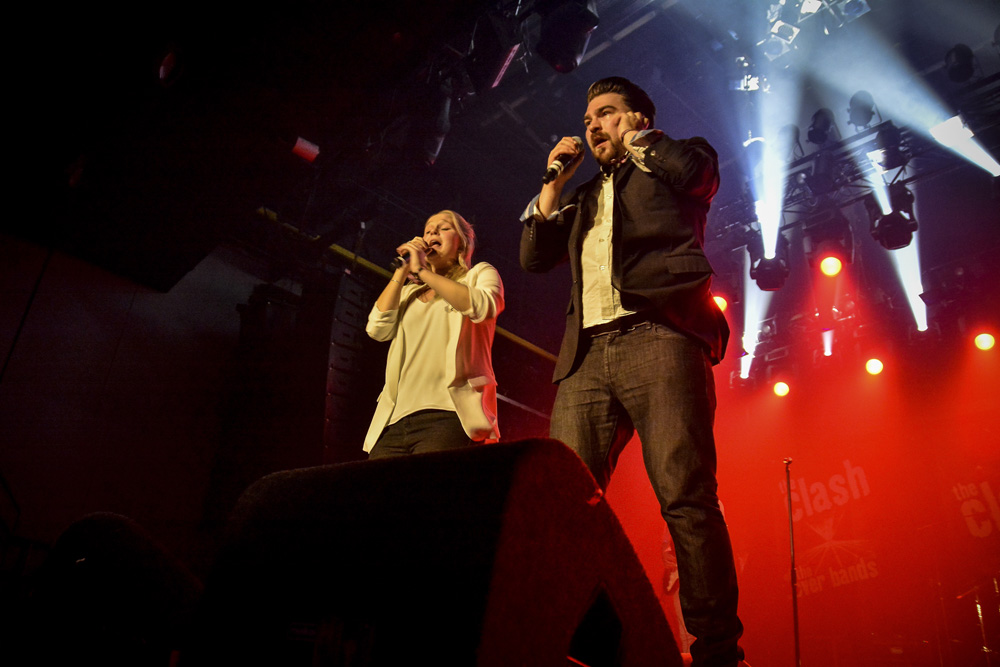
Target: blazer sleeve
{"points": [[690, 166], [382, 326], [545, 242], [485, 293]]}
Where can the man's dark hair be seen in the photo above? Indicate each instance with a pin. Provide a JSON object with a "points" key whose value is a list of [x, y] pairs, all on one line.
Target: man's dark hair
{"points": [[634, 96]]}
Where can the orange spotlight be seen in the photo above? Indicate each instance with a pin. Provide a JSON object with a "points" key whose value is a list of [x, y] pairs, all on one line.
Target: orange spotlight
{"points": [[874, 366], [781, 389], [721, 302], [985, 341], [831, 265]]}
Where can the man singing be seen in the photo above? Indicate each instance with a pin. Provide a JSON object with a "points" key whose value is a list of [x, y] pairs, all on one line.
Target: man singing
{"points": [[642, 333]]}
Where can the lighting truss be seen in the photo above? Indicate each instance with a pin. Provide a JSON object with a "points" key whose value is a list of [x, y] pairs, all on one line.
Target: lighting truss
{"points": [[845, 169]]}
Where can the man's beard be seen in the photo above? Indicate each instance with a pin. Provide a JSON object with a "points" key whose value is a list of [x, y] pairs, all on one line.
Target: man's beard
{"points": [[608, 154]]}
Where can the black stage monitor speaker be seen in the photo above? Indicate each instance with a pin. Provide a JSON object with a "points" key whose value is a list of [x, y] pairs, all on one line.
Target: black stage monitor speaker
{"points": [[496, 555]]}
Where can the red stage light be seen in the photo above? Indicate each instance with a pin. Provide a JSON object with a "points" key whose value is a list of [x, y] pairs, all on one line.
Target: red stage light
{"points": [[874, 366], [781, 389], [831, 265], [985, 341], [721, 302]]}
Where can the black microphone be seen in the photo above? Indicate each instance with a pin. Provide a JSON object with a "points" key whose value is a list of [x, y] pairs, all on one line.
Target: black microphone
{"points": [[403, 260], [560, 163]]}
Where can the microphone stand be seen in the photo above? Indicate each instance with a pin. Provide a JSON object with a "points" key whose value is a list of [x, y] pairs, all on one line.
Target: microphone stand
{"points": [[795, 586]]}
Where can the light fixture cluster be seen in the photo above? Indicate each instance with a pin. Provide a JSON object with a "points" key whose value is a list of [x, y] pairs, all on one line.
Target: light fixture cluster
{"points": [[498, 39], [819, 184], [786, 19], [783, 364]]}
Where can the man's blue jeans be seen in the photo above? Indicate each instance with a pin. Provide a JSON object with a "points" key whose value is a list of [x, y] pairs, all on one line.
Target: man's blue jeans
{"points": [[657, 382]]}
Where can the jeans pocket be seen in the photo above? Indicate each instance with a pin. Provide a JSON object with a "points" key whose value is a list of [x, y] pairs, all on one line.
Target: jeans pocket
{"points": [[663, 331]]}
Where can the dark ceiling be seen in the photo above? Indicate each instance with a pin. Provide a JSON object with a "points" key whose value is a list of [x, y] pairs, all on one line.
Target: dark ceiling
{"points": [[145, 179]]}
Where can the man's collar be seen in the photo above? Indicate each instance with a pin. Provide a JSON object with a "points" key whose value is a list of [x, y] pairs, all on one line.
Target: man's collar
{"points": [[610, 169]]}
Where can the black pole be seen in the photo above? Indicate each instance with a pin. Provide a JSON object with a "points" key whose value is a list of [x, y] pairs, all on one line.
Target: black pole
{"points": [[791, 540]]}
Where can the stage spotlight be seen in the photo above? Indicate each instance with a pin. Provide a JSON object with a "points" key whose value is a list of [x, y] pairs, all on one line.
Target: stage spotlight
{"points": [[959, 63], [985, 341], [888, 153], [810, 7], [768, 331], [821, 127], [769, 273], [874, 366], [893, 230], [784, 31], [831, 265], [746, 79], [861, 109], [852, 9], [781, 389], [565, 32], [823, 179], [828, 240], [775, 47], [721, 302]]}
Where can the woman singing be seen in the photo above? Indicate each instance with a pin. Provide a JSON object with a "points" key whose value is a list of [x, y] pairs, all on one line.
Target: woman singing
{"points": [[440, 314]]}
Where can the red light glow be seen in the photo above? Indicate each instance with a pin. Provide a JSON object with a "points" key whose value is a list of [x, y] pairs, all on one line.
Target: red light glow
{"points": [[985, 341], [781, 389], [831, 266], [874, 366], [721, 302]]}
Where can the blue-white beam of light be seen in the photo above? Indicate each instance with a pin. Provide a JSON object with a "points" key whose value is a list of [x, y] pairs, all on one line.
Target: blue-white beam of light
{"points": [[954, 135], [776, 110], [877, 181], [907, 263], [755, 305], [881, 192]]}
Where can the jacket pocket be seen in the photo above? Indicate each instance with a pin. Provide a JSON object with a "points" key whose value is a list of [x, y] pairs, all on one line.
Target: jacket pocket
{"points": [[687, 264]]}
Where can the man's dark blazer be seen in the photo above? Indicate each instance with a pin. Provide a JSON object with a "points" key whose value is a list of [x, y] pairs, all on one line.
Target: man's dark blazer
{"points": [[658, 232]]}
